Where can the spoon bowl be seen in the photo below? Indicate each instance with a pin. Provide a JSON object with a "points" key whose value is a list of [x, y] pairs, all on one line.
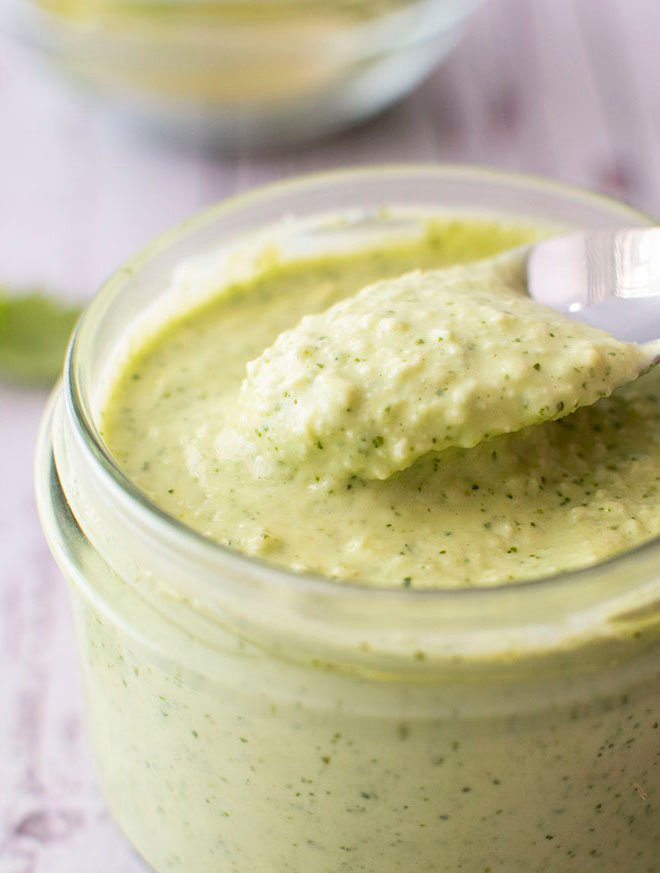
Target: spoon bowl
{"points": [[608, 279]]}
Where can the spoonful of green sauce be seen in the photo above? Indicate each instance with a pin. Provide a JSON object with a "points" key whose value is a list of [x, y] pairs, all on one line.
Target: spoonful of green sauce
{"points": [[418, 364]]}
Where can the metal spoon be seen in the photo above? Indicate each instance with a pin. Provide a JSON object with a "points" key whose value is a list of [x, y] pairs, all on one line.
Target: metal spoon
{"points": [[608, 279]]}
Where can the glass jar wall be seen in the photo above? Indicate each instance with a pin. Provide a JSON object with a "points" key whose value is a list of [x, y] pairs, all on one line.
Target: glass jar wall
{"points": [[245, 718]]}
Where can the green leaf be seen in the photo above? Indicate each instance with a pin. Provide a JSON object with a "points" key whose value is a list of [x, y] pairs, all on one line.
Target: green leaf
{"points": [[34, 332]]}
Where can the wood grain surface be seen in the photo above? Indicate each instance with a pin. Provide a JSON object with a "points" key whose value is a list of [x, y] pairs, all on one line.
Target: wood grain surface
{"points": [[565, 88]]}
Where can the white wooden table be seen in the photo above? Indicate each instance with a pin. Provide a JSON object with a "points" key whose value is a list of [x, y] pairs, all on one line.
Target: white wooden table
{"points": [[566, 88]]}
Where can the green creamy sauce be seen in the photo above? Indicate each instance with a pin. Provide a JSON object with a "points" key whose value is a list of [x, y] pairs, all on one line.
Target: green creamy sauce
{"points": [[421, 363], [553, 496], [224, 11]]}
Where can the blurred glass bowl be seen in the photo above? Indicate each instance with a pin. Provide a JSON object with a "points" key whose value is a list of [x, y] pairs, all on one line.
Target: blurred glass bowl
{"points": [[243, 73]]}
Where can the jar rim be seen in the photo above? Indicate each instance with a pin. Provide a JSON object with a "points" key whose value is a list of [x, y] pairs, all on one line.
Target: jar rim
{"points": [[213, 554]]}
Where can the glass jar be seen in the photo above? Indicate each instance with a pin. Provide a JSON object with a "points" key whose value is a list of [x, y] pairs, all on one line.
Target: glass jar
{"points": [[243, 73], [246, 719]]}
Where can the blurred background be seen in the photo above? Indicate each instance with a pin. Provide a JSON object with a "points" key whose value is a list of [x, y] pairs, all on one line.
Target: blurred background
{"points": [[118, 118]]}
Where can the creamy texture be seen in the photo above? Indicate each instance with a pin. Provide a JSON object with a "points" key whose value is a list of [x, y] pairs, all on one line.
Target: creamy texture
{"points": [[417, 364], [224, 758], [551, 497], [220, 750]]}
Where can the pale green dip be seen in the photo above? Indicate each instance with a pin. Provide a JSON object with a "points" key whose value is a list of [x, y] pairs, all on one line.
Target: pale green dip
{"points": [[550, 497], [217, 753]]}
